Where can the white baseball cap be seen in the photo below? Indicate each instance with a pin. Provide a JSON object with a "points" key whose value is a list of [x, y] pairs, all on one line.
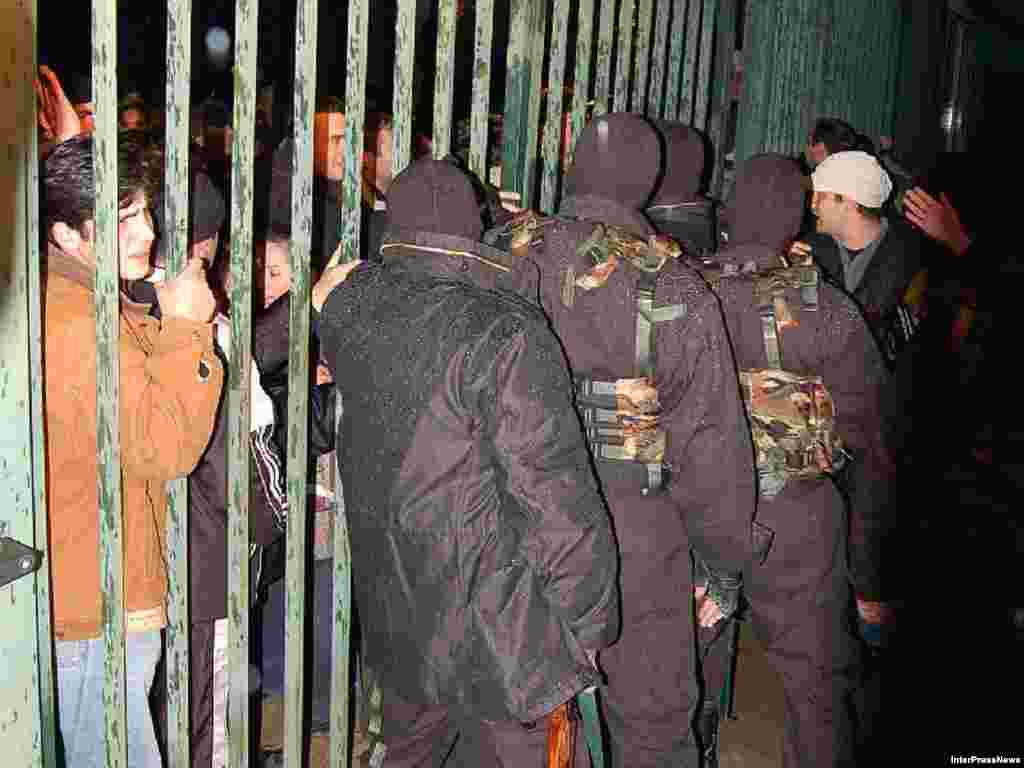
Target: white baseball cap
{"points": [[856, 175]]}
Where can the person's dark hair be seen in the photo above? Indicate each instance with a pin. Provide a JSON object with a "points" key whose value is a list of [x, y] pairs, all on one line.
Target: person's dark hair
{"points": [[835, 134], [330, 105], [69, 184], [375, 123]]}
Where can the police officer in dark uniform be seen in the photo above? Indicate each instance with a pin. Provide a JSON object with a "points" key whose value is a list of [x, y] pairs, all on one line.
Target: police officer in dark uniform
{"points": [[484, 565], [676, 468], [793, 320]]}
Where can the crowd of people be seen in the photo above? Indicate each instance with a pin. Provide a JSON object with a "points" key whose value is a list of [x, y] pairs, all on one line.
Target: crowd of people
{"points": [[576, 448]]}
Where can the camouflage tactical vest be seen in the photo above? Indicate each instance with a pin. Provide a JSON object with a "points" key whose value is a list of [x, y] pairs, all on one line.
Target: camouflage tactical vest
{"points": [[792, 416], [620, 417]]}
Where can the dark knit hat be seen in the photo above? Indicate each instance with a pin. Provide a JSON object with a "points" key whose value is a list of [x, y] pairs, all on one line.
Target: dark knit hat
{"points": [[434, 196], [768, 200], [618, 158], [684, 163]]}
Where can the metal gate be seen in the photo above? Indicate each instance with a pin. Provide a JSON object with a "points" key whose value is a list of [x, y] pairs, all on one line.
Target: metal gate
{"points": [[666, 58]]}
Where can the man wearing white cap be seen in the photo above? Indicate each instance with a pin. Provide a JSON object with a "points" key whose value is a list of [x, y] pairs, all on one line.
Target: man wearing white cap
{"points": [[879, 262]]}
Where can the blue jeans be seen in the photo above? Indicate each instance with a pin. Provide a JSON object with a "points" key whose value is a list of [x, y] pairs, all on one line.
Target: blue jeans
{"points": [[80, 682]]}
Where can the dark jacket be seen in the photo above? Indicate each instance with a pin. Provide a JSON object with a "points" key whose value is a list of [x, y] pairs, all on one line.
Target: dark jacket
{"points": [[880, 293], [483, 559]]}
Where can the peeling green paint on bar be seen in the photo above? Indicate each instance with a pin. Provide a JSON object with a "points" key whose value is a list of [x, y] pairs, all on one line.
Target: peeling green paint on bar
{"points": [[553, 126], [303, 109], [27, 706], [581, 81], [656, 99], [689, 74], [341, 689], [108, 442], [239, 368], [405, 45], [176, 188], [707, 36], [480, 119], [643, 56], [603, 62], [443, 83], [538, 28], [721, 80], [46, 755], [517, 85], [675, 60], [355, 118], [624, 56]]}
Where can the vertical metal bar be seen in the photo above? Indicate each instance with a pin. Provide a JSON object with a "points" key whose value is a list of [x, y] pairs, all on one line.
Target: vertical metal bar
{"points": [[552, 151], [27, 704], [690, 62], [355, 117], [581, 81], [176, 188], [405, 46], [707, 37], [623, 56], [480, 117], [675, 59], [538, 28], [517, 87], [721, 84], [603, 65], [340, 640], [304, 107], [240, 365], [446, 21], [643, 56], [108, 438], [657, 97]]}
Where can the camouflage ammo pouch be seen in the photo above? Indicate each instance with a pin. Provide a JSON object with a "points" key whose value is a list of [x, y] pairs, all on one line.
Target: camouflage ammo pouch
{"points": [[620, 417], [792, 416]]}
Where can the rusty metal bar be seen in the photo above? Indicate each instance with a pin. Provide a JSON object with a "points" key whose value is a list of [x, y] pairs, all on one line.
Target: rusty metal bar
{"points": [[643, 56], [675, 60], [239, 368], [27, 706], [517, 88], [656, 97], [707, 36], [721, 88], [405, 46], [692, 44], [552, 150], [603, 65], [176, 188], [581, 81], [623, 56], [537, 34], [108, 437], [480, 117], [355, 117], [443, 84], [303, 110]]}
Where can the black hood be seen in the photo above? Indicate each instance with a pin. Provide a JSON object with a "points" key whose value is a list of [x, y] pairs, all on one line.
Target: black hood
{"points": [[436, 197], [684, 163], [768, 201], [616, 166]]}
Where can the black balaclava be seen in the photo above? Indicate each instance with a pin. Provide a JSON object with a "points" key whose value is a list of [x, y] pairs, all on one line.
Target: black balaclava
{"points": [[768, 200], [434, 197], [616, 165], [684, 164]]}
